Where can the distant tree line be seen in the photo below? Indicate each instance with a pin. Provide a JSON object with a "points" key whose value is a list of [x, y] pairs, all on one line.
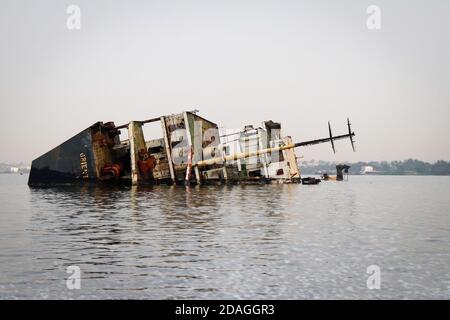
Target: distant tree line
{"points": [[406, 167]]}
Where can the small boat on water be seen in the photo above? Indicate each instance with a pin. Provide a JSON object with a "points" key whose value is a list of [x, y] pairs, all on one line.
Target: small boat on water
{"points": [[190, 150], [310, 181]]}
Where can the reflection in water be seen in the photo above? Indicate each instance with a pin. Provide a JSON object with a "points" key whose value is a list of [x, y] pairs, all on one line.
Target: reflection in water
{"points": [[255, 241]]}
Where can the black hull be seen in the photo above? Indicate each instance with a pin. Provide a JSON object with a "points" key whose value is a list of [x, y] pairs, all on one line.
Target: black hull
{"points": [[71, 162]]}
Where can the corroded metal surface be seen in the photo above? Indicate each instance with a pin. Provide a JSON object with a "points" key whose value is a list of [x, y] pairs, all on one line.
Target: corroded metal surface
{"points": [[189, 150]]}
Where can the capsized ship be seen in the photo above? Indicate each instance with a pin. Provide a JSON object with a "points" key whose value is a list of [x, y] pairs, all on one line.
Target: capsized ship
{"points": [[191, 150]]}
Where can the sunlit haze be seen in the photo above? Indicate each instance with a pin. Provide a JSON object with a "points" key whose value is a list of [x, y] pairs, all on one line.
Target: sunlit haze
{"points": [[238, 62]]}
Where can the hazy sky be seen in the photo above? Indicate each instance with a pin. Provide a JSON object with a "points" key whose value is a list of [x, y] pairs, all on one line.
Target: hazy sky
{"points": [[239, 62]]}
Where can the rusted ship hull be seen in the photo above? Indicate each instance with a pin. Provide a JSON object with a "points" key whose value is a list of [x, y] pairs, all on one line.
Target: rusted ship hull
{"points": [[190, 150]]}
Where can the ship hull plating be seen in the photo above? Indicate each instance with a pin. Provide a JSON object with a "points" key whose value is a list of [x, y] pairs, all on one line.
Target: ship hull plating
{"points": [[190, 150]]}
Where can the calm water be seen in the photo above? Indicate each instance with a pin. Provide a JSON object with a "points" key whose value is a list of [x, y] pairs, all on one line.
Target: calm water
{"points": [[288, 241]]}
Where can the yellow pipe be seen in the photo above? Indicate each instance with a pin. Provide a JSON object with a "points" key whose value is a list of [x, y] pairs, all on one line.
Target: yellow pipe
{"points": [[241, 155]]}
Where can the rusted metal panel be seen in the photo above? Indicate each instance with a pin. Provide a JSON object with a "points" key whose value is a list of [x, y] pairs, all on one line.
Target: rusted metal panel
{"points": [[104, 138], [177, 144], [205, 141], [186, 132], [137, 143], [291, 158], [168, 150], [157, 149], [190, 143]]}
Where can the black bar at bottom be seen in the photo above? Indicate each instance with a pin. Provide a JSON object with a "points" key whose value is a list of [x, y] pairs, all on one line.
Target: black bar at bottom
{"points": [[225, 309]]}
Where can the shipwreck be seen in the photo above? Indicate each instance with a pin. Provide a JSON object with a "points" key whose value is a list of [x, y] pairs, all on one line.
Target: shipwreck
{"points": [[190, 150]]}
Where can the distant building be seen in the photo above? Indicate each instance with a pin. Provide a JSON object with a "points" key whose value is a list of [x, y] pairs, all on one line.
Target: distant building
{"points": [[367, 170], [14, 169]]}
